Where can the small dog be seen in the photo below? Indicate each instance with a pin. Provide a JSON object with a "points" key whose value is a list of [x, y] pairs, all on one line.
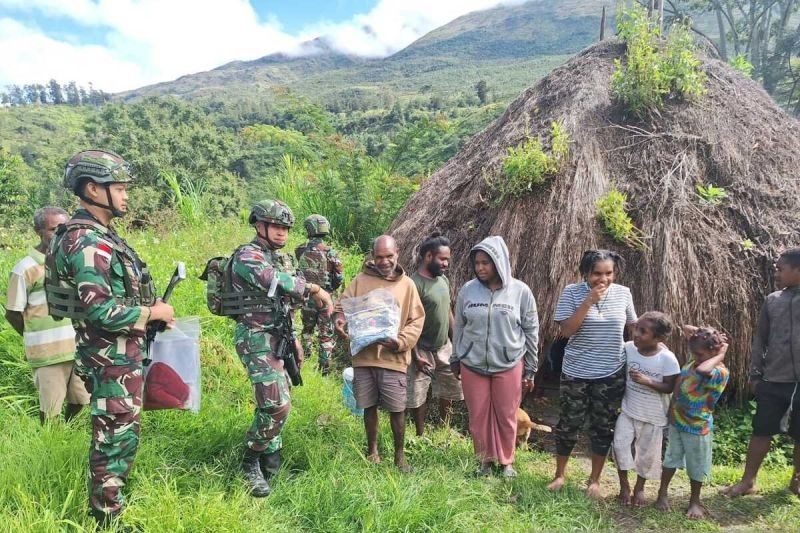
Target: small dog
{"points": [[524, 427]]}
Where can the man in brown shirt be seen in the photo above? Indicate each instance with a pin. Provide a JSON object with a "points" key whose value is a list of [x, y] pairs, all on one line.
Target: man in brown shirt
{"points": [[380, 369]]}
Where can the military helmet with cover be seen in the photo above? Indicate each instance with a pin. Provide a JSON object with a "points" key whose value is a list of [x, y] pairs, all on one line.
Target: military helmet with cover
{"points": [[272, 212], [316, 225], [99, 166]]}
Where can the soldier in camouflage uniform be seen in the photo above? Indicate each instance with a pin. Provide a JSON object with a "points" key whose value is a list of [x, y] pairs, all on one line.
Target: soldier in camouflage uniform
{"points": [[97, 280], [259, 267], [320, 264]]}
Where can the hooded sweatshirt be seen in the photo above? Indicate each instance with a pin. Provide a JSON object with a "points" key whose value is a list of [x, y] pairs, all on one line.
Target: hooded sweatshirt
{"points": [[412, 316], [495, 329]]}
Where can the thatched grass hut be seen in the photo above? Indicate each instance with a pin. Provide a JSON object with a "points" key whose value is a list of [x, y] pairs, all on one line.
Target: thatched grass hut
{"points": [[702, 264]]}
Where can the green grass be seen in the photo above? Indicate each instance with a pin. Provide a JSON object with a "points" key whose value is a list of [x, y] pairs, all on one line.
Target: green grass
{"points": [[186, 474]]}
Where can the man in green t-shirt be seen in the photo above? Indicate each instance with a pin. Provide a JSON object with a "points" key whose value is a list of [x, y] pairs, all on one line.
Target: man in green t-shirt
{"points": [[430, 362]]}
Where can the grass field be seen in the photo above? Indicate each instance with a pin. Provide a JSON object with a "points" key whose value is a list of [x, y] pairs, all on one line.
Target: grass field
{"points": [[186, 474]]}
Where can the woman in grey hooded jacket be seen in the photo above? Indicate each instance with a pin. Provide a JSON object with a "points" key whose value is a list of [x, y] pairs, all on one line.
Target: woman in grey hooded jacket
{"points": [[495, 349]]}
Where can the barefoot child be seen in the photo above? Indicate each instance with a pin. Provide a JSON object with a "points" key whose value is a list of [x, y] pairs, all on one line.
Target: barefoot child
{"points": [[652, 372], [697, 390], [775, 374]]}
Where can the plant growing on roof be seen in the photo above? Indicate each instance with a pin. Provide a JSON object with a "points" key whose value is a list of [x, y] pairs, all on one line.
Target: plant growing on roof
{"points": [[612, 212]]}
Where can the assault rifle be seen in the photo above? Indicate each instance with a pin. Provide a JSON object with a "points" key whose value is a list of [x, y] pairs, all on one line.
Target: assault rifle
{"points": [[287, 342], [154, 327]]}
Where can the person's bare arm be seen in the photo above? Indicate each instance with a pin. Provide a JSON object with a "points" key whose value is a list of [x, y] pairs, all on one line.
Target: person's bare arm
{"points": [[15, 319], [665, 387], [707, 367], [571, 325]]}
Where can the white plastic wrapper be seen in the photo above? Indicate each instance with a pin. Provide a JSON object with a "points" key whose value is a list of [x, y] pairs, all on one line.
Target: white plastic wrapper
{"points": [[371, 318], [172, 380]]}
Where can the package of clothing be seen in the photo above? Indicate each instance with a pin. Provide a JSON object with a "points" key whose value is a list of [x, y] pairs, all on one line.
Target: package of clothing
{"points": [[371, 318], [172, 380]]}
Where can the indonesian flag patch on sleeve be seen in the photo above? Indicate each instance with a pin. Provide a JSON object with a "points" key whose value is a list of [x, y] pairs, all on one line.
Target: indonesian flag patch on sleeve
{"points": [[104, 249]]}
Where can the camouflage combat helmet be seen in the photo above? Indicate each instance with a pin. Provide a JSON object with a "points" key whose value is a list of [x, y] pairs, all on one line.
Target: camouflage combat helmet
{"points": [[272, 212], [316, 225], [100, 166]]}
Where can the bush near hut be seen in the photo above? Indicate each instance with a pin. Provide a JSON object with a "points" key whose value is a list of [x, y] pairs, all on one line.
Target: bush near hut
{"points": [[528, 165], [653, 71], [613, 214]]}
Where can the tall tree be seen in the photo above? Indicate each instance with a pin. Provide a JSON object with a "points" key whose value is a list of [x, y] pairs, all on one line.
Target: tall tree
{"points": [[56, 95]]}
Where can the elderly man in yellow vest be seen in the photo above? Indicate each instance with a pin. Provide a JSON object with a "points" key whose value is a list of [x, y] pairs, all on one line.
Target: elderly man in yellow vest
{"points": [[49, 344]]}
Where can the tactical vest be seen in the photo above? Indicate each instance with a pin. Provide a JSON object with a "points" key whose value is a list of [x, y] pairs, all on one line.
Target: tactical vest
{"points": [[313, 263], [223, 300], [63, 300]]}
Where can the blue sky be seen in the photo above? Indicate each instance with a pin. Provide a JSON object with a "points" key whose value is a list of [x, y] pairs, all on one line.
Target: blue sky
{"points": [[124, 44]]}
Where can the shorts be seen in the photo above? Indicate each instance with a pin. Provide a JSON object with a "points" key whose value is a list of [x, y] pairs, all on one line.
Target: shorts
{"points": [[772, 402], [57, 383], [646, 440], [690, 451], [374, 385], [446, 385]]}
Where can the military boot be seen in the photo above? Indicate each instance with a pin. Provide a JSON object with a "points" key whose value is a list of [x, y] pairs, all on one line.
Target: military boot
{"points": [[252, 474], [271, 463]]}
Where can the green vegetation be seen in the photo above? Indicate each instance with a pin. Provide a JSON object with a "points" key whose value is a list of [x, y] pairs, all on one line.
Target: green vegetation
{"points": [[612, 212], [744, 66], [747, 245], [528, 165], [186, 473], [654, 71], [710, 194]]}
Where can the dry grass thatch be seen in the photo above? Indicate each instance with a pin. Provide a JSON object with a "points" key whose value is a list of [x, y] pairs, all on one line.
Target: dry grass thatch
{"points": [[694, 267]]}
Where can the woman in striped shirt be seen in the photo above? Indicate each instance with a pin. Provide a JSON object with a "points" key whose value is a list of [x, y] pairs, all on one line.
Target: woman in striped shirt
{"points": [[593, 314]]}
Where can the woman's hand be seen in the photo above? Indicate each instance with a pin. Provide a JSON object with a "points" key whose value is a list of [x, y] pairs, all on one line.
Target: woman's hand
{"points": [[596, 294], [527, 385]]}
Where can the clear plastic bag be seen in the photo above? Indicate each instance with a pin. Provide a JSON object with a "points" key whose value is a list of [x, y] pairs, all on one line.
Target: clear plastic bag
{"points": [[172, 380], [348, 394], [371, 318]]}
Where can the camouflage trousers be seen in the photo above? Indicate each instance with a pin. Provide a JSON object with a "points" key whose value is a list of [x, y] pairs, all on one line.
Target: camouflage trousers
{"points": [[271, 392], [116, 404], [598, 400], [313, 319]]}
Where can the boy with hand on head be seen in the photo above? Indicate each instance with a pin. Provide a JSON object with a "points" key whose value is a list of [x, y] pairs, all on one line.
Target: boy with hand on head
{"points": [[652, 372], [775, 374], [700, 384]]}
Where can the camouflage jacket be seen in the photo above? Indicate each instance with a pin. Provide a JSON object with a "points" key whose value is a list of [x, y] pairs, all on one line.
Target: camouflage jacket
{"points": [[92, 260], [320, 264], [257, 267]]}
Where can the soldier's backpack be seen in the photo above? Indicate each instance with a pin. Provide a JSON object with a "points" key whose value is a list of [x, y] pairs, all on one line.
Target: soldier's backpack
{"points": [[223, 300], [313, 263]]}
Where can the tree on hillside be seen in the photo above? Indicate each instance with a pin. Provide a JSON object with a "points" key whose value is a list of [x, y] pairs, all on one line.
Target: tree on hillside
{"points": [[72, 94], [56, 96], [482, 88]]}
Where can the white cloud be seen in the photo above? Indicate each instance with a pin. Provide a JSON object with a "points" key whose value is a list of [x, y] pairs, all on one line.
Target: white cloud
{"points": [[158, 40]]}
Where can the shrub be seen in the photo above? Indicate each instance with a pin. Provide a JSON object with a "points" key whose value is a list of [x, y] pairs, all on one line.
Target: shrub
{"points": [[744, 66], [615, 219], [528, 164], [654, 71], [710, 194]]}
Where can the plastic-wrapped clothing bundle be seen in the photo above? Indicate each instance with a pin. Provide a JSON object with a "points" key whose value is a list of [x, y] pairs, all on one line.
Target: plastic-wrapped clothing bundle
{"points": [[172, 380], [371, 318]]}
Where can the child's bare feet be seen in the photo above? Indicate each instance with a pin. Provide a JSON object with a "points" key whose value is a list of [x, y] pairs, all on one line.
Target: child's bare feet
{"points": [[624, 496], [662, 504], [739, 489], [593, 490], [374, 458], [638, 498], [696, 511], [556, 484]]}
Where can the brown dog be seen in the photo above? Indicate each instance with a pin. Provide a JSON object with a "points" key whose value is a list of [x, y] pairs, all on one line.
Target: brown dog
{"points": [[524, 427]]}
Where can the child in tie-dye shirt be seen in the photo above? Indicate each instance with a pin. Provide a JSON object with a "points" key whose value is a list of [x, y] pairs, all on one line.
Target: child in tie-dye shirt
{"points": [[699, 386]]}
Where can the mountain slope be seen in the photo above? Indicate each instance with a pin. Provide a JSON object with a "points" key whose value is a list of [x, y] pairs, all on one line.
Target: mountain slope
{"points": [[510, 45]]}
